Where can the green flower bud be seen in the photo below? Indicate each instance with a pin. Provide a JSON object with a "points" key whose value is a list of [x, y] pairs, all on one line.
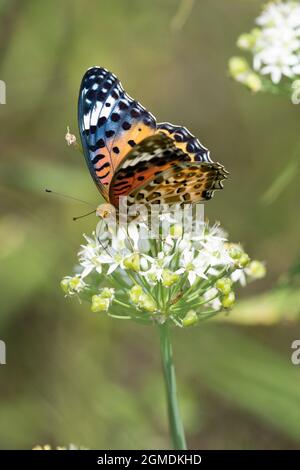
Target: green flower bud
{"points": [[169, 278], [256, 269], [246, 41], [147, 303], [132, 262], [296, 84], [99, 304], [296, 92], [239, 256], [253, 82], [190, 318], [244, 260], [64, 284], [224, 285], [238, 66], [227, 301], [235, 252], [135, 294]]}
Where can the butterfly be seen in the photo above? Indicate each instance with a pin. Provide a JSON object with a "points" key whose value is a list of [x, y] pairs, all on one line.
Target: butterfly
{"points": [[129, 154]]}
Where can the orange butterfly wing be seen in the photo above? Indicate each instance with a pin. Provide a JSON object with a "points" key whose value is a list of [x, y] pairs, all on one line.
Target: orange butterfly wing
{"points": [[128, 154], [158, 171], [110, 122]]}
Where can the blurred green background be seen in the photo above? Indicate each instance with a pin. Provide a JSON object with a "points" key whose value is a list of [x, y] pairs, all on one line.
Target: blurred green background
{"points": [[74, 376]]}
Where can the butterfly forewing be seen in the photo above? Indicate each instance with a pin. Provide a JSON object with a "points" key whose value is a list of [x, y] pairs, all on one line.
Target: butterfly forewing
{"points": [[111, 123]]}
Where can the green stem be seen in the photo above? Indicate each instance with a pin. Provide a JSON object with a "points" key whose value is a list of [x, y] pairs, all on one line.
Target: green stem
{"points": [[123, 304], [119, 317], [175, 422]]}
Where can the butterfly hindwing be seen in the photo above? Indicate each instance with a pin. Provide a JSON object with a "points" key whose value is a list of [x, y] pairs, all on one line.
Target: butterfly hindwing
{"points": [[111, 123], [145, 162], [158, 171], [182, 183]]}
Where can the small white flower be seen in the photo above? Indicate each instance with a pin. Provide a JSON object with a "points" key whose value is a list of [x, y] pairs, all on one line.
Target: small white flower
{"points": [[212, 299], [192, 264], [72, 285], [158, 265], [89, 257], [239, 276], [115, 261], [213, 248]]}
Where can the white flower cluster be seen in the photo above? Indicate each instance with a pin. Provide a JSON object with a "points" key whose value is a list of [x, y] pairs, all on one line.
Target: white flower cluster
{"points": [[178, 276], [275, 46]]}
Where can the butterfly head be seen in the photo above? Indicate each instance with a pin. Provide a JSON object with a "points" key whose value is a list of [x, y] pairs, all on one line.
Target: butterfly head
{"points": [[104, 211]]}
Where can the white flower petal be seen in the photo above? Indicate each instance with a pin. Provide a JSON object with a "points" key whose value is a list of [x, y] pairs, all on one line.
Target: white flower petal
{"points": [[112, 268], [192, 277]]}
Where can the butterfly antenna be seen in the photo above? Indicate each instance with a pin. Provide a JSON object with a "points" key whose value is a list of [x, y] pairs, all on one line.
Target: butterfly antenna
{"points": [[49, 191], [100, 241], [84, 215], [104, 247]]}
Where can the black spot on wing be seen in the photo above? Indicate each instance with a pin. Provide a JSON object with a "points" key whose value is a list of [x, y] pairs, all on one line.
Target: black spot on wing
{"points": [[109, 134], [115, 117], [126, 125], [97, 158]]}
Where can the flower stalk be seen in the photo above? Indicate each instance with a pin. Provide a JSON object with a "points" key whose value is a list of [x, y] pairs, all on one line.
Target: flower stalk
{"points": [[175, 421]]}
